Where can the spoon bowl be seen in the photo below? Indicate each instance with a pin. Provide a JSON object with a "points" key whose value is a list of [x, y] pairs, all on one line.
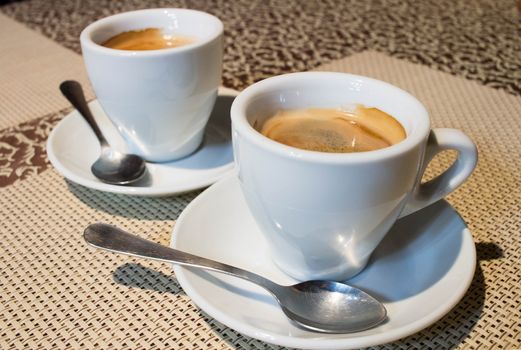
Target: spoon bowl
{"points": [[331, 307], [112, 166], [319, 306], [118, 168]]}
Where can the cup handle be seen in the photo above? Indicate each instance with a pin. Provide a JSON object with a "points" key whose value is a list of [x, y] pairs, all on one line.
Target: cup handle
{"points": [[439, 140]]}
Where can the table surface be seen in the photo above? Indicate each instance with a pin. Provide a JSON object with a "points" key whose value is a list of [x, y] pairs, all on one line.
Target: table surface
{"points": [[461, 59]]}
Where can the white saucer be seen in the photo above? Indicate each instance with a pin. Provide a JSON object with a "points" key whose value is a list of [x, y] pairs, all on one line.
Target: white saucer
{"points": [[420, 271], [72, 148]]}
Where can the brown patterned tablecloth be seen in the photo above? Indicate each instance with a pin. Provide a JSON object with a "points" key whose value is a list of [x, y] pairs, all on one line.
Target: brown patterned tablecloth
{"points": [[462, 59]]}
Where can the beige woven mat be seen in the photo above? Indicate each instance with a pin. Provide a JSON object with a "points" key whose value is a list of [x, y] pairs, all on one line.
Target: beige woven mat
{"points": [[57, 293], [31, 68]]}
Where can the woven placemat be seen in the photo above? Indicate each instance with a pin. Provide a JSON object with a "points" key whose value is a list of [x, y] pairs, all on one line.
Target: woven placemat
{"points": [[31, 68], [58, 293], [478, 40]]}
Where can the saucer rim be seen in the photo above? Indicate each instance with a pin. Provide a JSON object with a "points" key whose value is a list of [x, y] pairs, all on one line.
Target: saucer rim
{"points": [[153, 191], [320, 342]]}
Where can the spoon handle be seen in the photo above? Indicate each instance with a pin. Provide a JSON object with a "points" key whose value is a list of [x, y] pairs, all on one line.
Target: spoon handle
{"points": [[113, 239], [73, 92]]}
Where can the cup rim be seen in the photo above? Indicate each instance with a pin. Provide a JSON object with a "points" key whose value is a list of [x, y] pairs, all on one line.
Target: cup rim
{"points": [[86, 39], [241, 125]]}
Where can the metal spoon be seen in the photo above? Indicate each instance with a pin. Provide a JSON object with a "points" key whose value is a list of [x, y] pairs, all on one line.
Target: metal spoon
{"points": [[112, 167], [320, 306]]}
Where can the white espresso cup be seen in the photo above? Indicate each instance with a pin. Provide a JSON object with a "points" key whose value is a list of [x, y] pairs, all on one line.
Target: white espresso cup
{"points": [[159, 100], [323, 214]]}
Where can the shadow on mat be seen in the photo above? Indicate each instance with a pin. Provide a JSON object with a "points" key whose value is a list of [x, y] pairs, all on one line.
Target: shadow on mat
{"points": [[136, 207], [138, 276]]}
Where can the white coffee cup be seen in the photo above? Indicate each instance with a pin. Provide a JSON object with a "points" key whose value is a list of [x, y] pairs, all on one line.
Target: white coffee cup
{"points": [[323, 214], [159, 100]]}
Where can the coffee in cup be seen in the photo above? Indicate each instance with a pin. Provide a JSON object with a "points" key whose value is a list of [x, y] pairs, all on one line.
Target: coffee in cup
{"points": [[146, 39], [334, 130]]}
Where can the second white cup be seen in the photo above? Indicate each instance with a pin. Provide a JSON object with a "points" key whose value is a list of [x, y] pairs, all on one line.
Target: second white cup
{"points": [[159, 100]]}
